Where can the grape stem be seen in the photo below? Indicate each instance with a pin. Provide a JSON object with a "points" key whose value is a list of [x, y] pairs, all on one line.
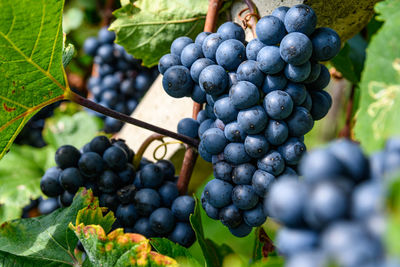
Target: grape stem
{"points": [[125, 118], [139, 154], [253, 16], [190, 157], [347, 128]]}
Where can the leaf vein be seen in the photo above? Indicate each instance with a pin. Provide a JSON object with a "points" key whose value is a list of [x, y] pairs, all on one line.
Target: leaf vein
{"points": [[12, 23], [13, 102], [40, 31], [162, 22], [54, 44]]}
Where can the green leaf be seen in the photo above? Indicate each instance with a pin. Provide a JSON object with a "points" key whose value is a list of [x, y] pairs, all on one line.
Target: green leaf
{"points": [[350, 60], [213, 254], [47, 238], [271, 261], [147, 28], [20, 173], [118, 249], [378, 116], [72, 19], [182, 255], [31, 70], [76, 130], [9, 260]]}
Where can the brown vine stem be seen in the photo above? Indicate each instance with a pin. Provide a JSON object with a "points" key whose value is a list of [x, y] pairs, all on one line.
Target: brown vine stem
{"points": [[190, 157], [347, 128], [144, 146], [125, 118], [108, 9], [252, 17]]}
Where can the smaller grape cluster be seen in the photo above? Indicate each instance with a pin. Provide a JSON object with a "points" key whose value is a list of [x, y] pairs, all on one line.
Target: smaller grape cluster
{"points": [[31, 134], [121, 80], [145, 201], [335, 213], [261, 98]]}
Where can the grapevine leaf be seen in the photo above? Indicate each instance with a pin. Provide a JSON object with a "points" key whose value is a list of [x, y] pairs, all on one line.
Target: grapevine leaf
{"points": [[45, 238], [182, 255], [213, 254], [18, 187], [10, 260], [378, 116], [77, 129], [31, 70], [393, 213], [147, 28], [118, 249], [350, 60]]}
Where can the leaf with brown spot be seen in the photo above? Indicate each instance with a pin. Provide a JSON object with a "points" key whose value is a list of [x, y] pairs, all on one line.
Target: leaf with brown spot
{"points": [[30, 63]]}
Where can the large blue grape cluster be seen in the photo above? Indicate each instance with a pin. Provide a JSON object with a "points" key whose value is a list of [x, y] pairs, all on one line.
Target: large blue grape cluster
{"points": [[261, 98], [335, 213], [145, 201], [121, 80]]}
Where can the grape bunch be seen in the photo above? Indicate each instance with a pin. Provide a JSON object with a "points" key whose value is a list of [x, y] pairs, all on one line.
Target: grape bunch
{"points": [[260, 97], [145, 201], [335, 213], [121, 80]]}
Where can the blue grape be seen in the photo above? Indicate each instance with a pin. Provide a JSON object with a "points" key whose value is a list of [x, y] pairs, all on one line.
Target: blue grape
{"points": [[234, 133], [151, 176], [126, 194], [142, 82], [167, 168], [201, 116], [244, 197], [278, 105], [243, 173], [241, 231], [255, 217], [280, 12], [168, 61], [179, 44], [204, 126], [231, 30], [218, 193], [142, 226], [321, 103], [105, 52], [90, 46], [91, 164], [276, 132], [99, 144], [248, 71], [110, 82], [198, 66], [230, 54], [230, 216], [295, 48], [71, 179], [211, 211], [47, 206], [109, 181], [292, 151], [200, 37], [289, 171], [182, 234], [210, 45], [326, 44], [256, 146], [232, 79], [188, 127], [244, 95], [225, 110], [127, 215], [177, 81], [261, 182], [210, 112], [162, 221], [285, 201], [252, 120], [292, 241], [300, 122], [204, 153], [314, 72], [214, 140], [146, 201], [105, 36], [298, 73], [112, 125], [190, 54], [367, 200], [182, 207], [236, 154], [327, 202], [109, 98], [213, 80], [300, 18], [272, 162], [274, 82], [270, 30], [352, 159], [67, 156], [115, 158], [66, 199], [322, 81], [252, 49], [307, 104], [49, 184], [223, 171], [198, 94], [269, 60], [110, 201], [313, 258]]}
